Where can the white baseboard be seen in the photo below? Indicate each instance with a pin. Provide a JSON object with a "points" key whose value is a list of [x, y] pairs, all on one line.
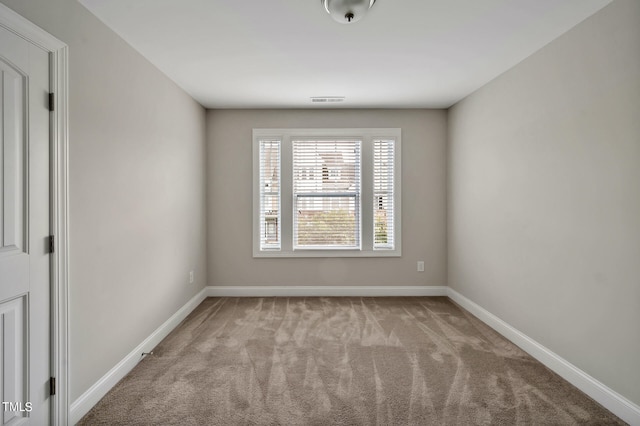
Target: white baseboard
{"points": [[95, 393], [610, 399], [324, 291]]}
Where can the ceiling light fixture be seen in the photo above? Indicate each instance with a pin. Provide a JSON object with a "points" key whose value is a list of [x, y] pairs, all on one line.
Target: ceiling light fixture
{"points": [[347, 11]]}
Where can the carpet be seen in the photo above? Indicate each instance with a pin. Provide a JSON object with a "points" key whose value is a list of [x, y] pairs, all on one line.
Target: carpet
{"points": [[341, 361]]}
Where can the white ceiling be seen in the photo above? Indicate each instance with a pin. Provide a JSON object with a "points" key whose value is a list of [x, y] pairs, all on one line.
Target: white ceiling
{"points": [[279, 53]]}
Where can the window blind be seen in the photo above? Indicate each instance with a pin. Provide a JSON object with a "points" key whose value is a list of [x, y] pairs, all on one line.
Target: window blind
{"points": [[383, 212], [270, 193], [326, 187]]}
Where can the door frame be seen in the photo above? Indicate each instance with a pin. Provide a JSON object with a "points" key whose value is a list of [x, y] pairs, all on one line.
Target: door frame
{"points": [[59, 207]]}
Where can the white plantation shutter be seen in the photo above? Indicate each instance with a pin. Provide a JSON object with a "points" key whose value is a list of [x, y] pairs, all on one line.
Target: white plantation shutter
{"points": [[326, 194], [383, 196], [270, 193]]}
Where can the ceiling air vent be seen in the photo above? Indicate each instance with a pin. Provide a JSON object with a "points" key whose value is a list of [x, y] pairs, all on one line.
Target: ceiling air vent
{"points": [[327, 99]]}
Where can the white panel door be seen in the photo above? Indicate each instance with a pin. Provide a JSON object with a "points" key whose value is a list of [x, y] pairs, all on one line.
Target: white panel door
{"points": [[24, 229]]}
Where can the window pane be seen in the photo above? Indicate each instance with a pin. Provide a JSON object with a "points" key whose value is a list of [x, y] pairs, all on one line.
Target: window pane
{"points": [[327, 222], [270, 222], [326, 185], [383, 165], [326, 166]]}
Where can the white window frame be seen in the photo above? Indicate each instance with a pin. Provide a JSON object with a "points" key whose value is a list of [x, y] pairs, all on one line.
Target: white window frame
{"points": [[367, 136]]}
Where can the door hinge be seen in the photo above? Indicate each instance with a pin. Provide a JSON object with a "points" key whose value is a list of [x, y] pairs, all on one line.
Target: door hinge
{"points": [[52, 102], [52, 244], [52, 386]]}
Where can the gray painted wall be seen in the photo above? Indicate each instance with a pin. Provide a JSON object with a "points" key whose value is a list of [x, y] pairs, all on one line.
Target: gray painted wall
{"points": [[544, 197], [137, 191], [230, 189]]}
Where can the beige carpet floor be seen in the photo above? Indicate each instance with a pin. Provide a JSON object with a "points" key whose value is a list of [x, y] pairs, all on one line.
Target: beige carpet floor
{"points": [[341, 361]]}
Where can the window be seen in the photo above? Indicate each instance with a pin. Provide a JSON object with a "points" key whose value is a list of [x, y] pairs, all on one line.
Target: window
{"points": [[327, 210], [383, 192], [326, 192], [270, 195]]}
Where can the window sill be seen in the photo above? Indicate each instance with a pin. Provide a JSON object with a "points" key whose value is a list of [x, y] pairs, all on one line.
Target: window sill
{"points": [[327, 253]]}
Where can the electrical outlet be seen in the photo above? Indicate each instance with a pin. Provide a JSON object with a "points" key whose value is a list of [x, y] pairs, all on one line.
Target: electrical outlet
{"points": [[420, 266], [191, 277]]}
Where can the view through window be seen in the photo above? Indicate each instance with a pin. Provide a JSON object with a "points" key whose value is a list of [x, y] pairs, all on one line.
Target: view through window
{"points": [[326, 188]]}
